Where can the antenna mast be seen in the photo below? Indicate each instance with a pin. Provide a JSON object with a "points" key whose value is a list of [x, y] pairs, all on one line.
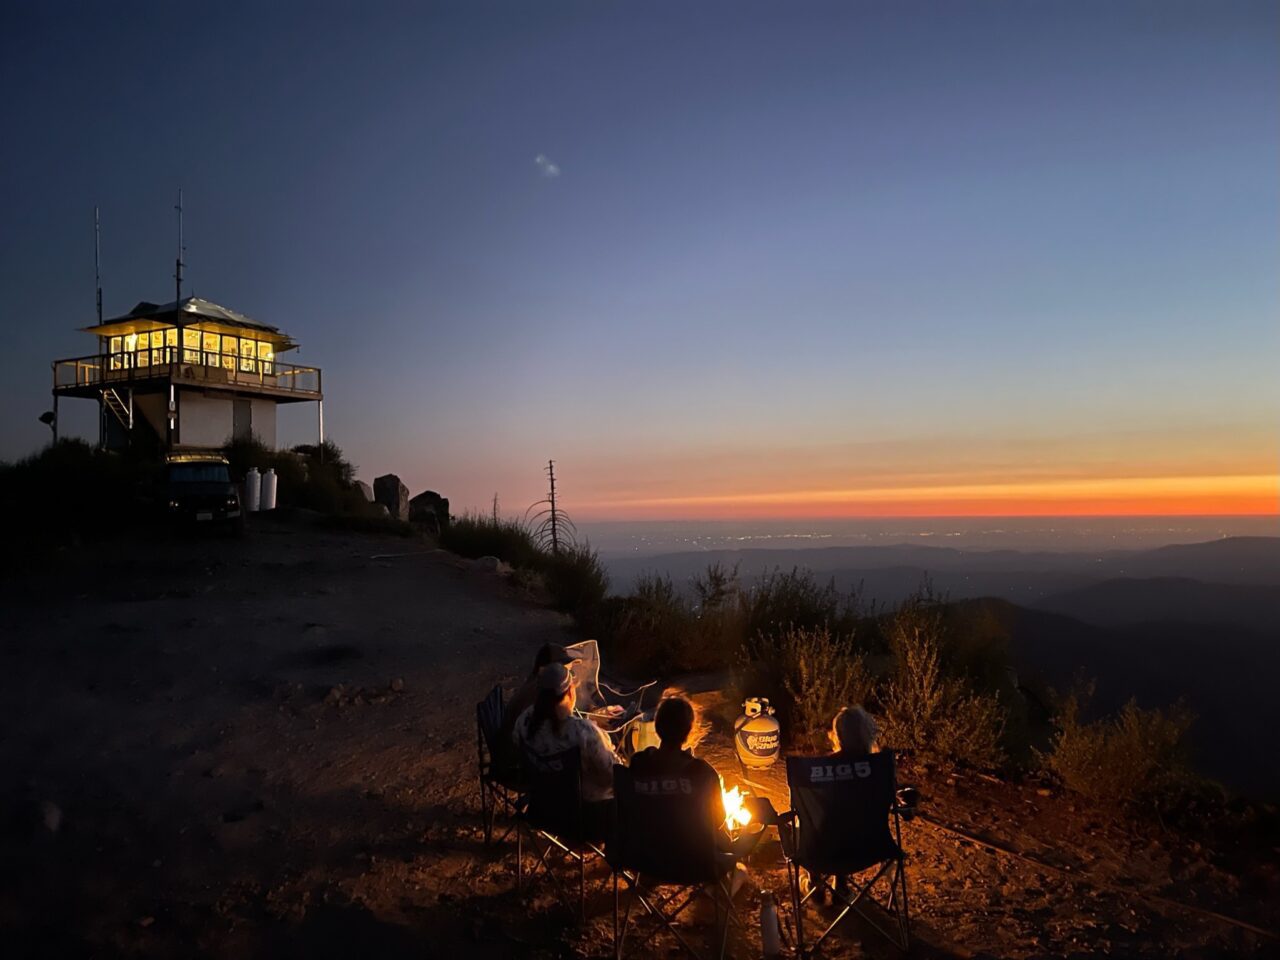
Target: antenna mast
{"points": [[177, 272], [97, 256]]}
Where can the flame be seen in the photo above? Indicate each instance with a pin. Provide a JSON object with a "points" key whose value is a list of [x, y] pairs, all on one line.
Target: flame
{"points": [[735, 814]]}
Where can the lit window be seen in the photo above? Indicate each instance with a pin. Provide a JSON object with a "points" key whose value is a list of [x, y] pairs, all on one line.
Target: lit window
{"points": [[248, 351], [266, 354], [190, 346], [210, 344]]}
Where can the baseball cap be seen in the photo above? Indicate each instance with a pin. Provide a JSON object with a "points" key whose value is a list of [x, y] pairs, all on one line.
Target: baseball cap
{"points": [[555, 677], [554, 653]]}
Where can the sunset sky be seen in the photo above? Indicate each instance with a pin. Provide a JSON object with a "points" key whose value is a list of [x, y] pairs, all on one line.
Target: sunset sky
{"points": [[718, 260]]}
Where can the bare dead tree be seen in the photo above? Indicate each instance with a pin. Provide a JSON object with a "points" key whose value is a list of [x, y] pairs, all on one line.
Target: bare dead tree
{"points": [[550, 526]]}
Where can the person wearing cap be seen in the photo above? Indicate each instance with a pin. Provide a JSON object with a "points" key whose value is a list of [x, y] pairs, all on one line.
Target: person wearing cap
{"points": [[550, 727], [523, 698]]}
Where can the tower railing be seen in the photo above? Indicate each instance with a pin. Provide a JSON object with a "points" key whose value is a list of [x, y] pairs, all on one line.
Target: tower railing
{"points": [[184, 365]]}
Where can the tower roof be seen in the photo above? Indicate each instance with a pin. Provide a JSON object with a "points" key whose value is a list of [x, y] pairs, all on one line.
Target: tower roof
{"points": [[182, 313]]}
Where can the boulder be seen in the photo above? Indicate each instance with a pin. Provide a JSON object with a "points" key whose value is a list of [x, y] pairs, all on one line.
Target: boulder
{"points": [[365, 490], [431, 510], [491, 565], [392, 494]]}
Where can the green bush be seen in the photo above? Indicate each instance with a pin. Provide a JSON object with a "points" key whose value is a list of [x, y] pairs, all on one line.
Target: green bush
{"points": [[783, 600], [819, 674], [71, 492], [1136, 757], [938, 717], [475, 536], [308, 476], [575, 578], [657, 628]]}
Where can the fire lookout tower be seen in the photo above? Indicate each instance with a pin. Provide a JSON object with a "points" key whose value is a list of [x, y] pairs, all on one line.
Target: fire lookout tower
{"points": [[191, 374]]}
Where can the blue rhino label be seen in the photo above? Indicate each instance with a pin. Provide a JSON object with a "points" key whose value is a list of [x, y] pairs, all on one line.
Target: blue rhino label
{"points": [[761, 744]]}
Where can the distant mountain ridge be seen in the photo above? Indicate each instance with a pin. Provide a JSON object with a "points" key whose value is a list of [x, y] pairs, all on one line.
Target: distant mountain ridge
{"points": [[887, 574]]}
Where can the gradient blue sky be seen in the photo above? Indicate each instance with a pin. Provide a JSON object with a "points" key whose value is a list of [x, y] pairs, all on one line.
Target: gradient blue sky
{"points": [[794, 256]]}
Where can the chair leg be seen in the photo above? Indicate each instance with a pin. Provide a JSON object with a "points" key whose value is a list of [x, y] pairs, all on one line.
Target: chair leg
{"points": [[487, 803], [617, 946], [519, 858], [904, 914], [582, 886], [794, 871]]}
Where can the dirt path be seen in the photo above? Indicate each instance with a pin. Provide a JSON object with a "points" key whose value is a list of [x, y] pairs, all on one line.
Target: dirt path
{"points": [[172, 707], [266, 748]]}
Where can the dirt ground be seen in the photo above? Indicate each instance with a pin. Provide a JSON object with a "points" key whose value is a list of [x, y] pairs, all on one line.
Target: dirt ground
{"points": [[266, 748]]}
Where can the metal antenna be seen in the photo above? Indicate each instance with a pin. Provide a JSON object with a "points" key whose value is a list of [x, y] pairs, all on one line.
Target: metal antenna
{"points": [[97, 256], [177, 273]]}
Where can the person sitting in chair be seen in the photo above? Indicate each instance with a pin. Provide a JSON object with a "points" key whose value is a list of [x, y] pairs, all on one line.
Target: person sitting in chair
{"points": [[523, 698], [673, 723], [550, 727], [852, 735]]}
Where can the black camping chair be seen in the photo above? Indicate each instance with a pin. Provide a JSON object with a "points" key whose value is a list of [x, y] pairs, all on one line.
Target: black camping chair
{"points": [[553, 818], [501, 780], [838, 825], [663, 837]]}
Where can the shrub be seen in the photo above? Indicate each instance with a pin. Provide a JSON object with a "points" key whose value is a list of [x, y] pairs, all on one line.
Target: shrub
{"points": [[819, 674], [309, 476], [474, 536], [939, 717], [654, 630], [575, 578], [1138, 756], [69, 492], [780, 601]]}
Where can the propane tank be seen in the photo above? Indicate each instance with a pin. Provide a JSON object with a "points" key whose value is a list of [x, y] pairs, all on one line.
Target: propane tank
{"points": [[252, 490], [268, 499], [644, 733], [756, 734], [770, 934]]}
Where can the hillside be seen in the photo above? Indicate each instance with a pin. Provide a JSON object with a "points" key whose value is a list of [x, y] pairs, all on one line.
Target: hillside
{"points": [[1225, 674], [1183, 600]]}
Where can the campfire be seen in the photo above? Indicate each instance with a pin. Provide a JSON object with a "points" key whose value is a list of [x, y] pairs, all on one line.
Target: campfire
{"points": [[736, 815]]}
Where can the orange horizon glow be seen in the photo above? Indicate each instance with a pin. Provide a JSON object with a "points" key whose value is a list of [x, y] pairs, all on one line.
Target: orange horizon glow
{"points": [[1231, 495]]}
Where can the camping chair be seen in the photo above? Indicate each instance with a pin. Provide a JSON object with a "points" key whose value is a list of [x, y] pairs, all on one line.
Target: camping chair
{"points": [[839, 826], [595, 697], [501, 782], [663, 837], [553, 819]]}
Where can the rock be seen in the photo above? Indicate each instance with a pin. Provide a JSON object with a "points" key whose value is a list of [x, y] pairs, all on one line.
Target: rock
{"points": [[392, 494], [491, 565], [382, 510], [431, 510], [365, 490], [397, 684]]}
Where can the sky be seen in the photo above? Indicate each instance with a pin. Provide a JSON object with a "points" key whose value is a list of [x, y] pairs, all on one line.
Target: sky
{"points": [[717, 260]]}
